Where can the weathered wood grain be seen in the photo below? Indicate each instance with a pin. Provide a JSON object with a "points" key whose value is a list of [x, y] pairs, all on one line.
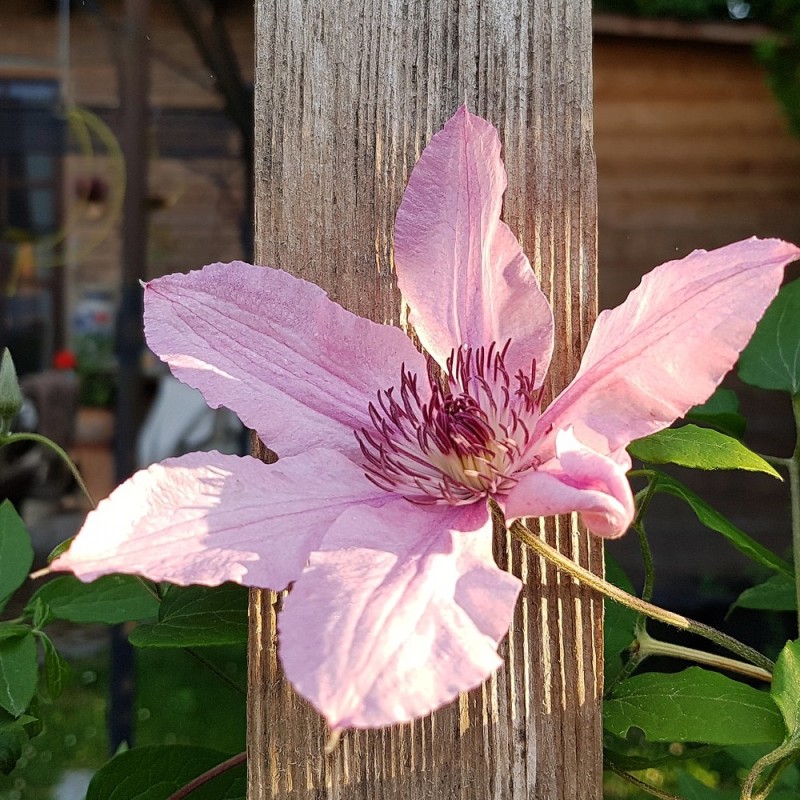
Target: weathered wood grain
{"points": [[347, 95]]}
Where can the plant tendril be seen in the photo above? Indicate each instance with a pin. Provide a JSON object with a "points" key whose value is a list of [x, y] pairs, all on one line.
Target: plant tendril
{"points": [[209, 775], [59, 451], [639, 784]]}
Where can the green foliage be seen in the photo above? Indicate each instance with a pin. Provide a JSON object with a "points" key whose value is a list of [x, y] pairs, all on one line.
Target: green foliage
{"points": [[10, 395], [714, 520], [753, 736], [785, 691], [780, 55], [56, 669], [18, 673], [16, 552], [698, 448], [618, 624], [776, 594], [182, 701], [13, 737], [111, 600], [721, 412], [154, 773], [67, 734], [785, 687], [695, 705], [772, 359], [693, 789], [197, 616]]}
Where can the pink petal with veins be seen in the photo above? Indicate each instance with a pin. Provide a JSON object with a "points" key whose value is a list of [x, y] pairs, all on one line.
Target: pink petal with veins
{"points": [[459, 267], [670, 343], [401, 610], [208, 518], [291, 363], [577, 479]]}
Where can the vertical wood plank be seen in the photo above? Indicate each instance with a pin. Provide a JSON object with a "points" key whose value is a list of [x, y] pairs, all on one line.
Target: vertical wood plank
{"points": [[347, 95]]}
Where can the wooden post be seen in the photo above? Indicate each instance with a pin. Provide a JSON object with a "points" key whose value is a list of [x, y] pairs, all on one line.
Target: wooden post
{"points": [[347, 95]]}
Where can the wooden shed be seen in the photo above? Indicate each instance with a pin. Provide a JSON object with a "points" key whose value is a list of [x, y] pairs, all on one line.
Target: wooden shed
{"points": [[692, 148], [693, 151]]}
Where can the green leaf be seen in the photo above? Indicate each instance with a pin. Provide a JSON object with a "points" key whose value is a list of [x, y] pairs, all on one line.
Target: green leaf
{"points": [[197, 616], [10, 394], [112, 599], [18, 673], [785, 687], [712, 519], [785, 691], [776, 594], [698, 448], [772, 359], [695, 705], [155, 773], [42, 613], [56, 669], [12, 739], [31, 720], [13, 630], [633, 757], [720, 411], [16, 552], [60, 549]]}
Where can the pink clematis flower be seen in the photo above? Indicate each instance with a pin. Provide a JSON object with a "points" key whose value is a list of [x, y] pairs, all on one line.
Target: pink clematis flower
{"points": [[377, 509]]}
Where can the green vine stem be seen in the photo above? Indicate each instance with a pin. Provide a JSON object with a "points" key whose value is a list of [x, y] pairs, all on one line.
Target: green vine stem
{"points": [[216, 670], [203, 779], [647, 560], [628, 668], [648, 646], [639, 784], [59, 451], [635, 653], [776, 762], [602, 586]]}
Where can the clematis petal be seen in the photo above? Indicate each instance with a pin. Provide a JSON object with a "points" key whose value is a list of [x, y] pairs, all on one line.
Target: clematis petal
{"points": [[292, 364], [208, 518], [577, 479], [401, 610], [669, 344], [459, 267]]}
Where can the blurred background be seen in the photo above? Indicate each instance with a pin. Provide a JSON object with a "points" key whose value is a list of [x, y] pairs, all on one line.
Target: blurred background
{"points": [[126, 153]]}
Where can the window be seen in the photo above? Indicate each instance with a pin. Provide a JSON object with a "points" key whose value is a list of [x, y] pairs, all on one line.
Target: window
{"points": [[32, 143]]}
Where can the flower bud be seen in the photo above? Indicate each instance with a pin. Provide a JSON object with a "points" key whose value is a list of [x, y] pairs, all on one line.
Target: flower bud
{"points": [[10, 395]]}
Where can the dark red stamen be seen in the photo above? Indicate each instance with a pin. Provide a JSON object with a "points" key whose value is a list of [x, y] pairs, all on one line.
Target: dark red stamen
{"points": [[463, 440]]}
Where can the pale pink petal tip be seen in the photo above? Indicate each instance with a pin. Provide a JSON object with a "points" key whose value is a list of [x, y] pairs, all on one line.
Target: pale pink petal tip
{"points": [[293, 365], [459, 267], [577, 479], [401, 610], [207, 518], [668, 346]]}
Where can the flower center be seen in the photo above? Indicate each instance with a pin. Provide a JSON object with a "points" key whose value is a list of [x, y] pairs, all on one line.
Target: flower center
{"points": [[462, 443]]}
